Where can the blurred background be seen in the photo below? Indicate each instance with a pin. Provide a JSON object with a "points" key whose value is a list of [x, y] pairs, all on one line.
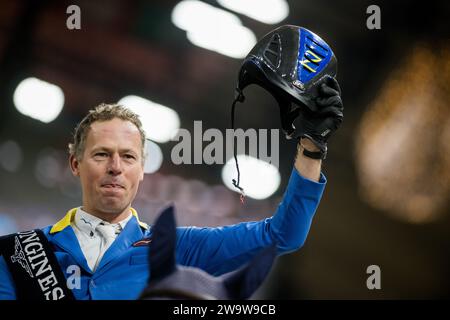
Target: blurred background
{"points": [[388, 167]]}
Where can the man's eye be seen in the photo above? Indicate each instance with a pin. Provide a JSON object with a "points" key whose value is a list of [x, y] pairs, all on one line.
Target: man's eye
{"points": [[101, 154], [129, 156]]}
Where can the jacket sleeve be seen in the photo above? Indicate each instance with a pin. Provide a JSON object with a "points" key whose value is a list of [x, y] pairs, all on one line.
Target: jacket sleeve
{"points": [[7, 289], [222, 249]]}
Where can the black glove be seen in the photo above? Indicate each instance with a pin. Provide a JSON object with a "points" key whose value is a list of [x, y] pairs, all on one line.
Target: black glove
{"points": [[319, 126]]}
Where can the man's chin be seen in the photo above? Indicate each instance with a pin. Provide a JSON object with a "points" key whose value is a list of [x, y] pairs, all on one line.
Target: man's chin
{"points": [[113, 207]]}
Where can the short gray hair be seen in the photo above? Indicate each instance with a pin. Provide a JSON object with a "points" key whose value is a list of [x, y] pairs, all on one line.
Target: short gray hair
{"points": [[103, 112]]}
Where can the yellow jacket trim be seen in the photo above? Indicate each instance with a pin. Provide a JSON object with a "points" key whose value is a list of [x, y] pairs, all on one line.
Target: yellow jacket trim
{"points": [[142, 224], [70, 215]]}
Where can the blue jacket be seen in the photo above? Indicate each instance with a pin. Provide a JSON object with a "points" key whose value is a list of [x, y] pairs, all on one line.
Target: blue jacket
{"points": [[124, 271]]}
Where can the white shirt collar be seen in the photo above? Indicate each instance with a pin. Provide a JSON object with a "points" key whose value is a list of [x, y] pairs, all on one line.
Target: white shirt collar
{"points": [[87, 223]]}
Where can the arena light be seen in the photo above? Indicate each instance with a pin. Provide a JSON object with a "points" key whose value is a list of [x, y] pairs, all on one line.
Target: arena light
{"points": [[193, 15], [399, 168], [213, 29], [258, 178], [234, 41], [266, 11], [11, 156], [38, 99], [154, 157], [49, 167], [160, 123]]}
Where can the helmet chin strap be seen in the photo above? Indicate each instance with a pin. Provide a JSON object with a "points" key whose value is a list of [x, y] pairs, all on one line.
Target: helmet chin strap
{"points": [[239, 96], [287, 118]]}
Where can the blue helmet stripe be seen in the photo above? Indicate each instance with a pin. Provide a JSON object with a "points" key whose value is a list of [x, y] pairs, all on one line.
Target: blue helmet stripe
{"points": [[313, 55]]}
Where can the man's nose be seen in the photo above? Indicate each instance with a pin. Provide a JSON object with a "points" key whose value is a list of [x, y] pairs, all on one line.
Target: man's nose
{"points": [[115, 165]]}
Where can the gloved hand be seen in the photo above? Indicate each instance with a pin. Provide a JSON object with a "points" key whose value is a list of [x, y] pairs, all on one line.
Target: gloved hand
{"points": [[319, 126]]}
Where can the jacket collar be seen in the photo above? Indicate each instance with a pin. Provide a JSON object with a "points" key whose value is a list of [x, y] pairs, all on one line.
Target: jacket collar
{"points": [[63, 235], [70, 216]]}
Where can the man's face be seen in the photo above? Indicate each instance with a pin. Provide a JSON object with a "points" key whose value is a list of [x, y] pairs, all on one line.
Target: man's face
{"points": [[111, 167]]}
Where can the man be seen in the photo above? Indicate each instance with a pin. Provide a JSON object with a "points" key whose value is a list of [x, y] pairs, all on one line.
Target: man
{"points": [[101, 246]]}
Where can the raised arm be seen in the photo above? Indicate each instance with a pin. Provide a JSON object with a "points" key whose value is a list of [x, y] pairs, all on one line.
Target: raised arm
{"points": [[307, 167], [218, 250], [222, 249]]}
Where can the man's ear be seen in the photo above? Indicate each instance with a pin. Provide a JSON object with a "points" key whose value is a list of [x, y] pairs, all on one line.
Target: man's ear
{"points": [[145, 155], [142, 174], [74, 165]]}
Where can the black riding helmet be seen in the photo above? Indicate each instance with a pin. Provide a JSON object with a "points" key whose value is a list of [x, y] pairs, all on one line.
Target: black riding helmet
{"points": [[291, 63]]}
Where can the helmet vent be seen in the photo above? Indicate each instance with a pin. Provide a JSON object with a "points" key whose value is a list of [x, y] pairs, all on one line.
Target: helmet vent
{"points": [[317, 44], [273, 51]]}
